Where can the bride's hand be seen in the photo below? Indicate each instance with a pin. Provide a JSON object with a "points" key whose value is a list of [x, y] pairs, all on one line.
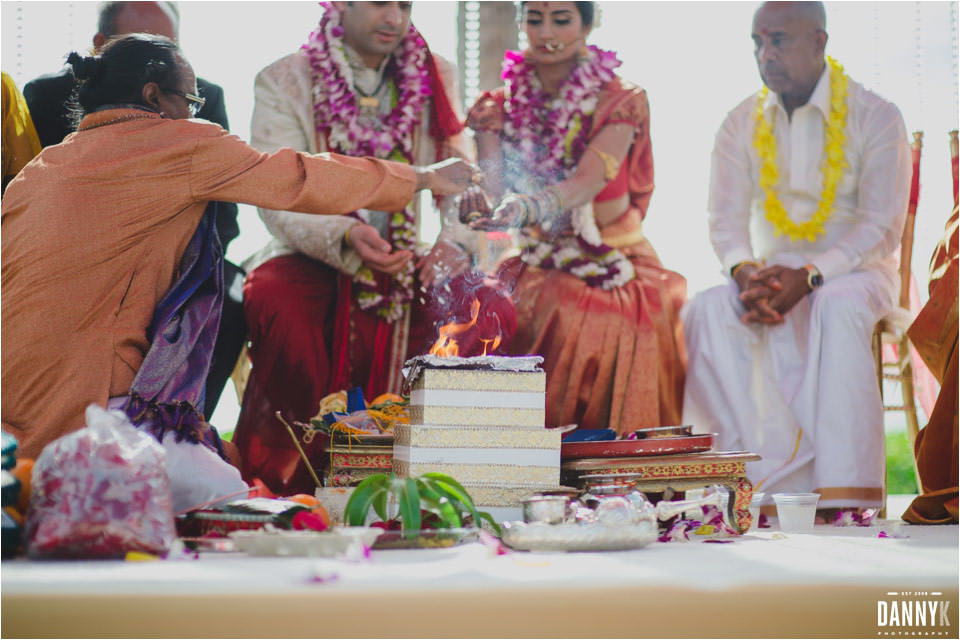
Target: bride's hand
{"points": [[473, 205], [511, 212]]}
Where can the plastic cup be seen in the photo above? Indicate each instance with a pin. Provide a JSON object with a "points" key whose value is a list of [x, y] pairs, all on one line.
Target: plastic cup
{"points": [[796, 511], [755, 500]]}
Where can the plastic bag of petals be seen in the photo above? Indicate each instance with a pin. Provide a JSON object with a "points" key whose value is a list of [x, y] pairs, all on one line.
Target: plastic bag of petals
{"points": [[100, 492]]}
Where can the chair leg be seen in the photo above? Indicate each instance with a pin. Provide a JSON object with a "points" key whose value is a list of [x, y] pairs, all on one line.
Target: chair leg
{"points": [[241, 373], [910, 407], [876, 345], [882, 513]]}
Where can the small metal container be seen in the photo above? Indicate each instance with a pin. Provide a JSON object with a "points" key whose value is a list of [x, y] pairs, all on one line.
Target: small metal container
{"points": [[663, 432], [546, 509]]}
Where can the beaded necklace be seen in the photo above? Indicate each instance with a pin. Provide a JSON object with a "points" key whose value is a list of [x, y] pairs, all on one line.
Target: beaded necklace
{"points": [[143, 113]]}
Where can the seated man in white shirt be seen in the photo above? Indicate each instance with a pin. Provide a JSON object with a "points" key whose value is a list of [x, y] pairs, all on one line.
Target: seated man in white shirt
{"points": [[808, 194]]}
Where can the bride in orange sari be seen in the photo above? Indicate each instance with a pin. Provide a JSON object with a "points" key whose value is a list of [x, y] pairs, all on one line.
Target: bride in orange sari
{"points": [[565, 149]]}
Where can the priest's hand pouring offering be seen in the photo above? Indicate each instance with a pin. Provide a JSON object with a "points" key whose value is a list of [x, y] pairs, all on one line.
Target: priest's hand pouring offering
{"points": [[446, 178]]}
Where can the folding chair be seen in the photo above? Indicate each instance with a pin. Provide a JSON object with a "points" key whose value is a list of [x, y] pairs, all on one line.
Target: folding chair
{"points": [[892, 328]]}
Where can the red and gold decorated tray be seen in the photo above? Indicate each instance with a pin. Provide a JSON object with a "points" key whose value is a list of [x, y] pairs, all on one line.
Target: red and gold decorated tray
{"points": [[626, 448]]}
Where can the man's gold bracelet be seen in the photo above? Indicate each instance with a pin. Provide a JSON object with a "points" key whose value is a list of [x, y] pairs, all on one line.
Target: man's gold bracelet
{"points": [[740, 265]]}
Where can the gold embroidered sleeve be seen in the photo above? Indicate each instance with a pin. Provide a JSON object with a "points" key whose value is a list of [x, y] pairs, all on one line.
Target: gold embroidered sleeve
{"points": [[632, 111]]}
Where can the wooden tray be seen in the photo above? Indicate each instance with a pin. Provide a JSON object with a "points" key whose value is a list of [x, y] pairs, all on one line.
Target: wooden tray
{"points": [[627, 448]]}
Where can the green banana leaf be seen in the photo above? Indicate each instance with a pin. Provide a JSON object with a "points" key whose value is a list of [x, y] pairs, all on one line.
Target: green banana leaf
{"points": [[408, 499], [436, 493], [363, 496], [439, 505]]}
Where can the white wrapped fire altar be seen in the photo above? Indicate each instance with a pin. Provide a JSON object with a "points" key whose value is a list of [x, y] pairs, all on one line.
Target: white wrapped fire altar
{"points": [[480, 420]]}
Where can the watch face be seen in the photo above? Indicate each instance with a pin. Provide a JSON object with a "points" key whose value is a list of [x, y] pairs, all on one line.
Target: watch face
{"points": [[815, 280]]}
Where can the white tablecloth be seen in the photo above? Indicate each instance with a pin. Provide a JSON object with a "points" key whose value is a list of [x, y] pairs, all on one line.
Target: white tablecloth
{"points": [[762, 584]]}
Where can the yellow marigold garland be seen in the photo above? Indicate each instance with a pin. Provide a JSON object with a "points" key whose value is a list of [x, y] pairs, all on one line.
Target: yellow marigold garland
{"points": [[833, 164]]}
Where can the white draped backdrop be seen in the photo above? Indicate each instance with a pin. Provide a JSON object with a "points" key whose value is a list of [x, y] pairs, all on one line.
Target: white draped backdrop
{"points": [[694, 58]]}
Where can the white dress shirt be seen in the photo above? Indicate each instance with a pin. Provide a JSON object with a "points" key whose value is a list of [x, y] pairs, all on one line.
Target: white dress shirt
{"points": [[871, 196]]}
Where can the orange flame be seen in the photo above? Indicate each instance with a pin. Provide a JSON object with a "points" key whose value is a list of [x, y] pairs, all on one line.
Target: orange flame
{"points": [[486, 342], [446, 346]]}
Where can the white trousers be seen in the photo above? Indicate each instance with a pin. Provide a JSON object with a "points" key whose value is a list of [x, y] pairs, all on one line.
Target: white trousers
{"points": [[802, 394]]}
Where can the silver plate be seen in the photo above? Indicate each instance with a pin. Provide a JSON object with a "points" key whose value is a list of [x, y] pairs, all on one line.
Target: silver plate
{"points": [[312, 544], [664, 432], [577, 537], [413, 367]]}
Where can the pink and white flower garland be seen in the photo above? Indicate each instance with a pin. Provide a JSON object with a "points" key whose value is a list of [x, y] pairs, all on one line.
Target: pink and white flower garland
{"points": [[544, 140], [710, 528], [337, 117]]}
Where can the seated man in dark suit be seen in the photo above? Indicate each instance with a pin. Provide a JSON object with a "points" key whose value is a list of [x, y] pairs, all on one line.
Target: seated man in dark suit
{"points": [[50, 100]]}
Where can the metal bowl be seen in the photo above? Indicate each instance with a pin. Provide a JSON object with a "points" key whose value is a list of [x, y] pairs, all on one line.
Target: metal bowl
{"points": [[663, 432], [560, 490], [546, 509]]}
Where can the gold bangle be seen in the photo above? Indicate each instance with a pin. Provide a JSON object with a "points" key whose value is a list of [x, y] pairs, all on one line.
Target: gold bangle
{"points": [[549, 205], [740, 265], [610, 165], [346, 236], [530, 216], [561, 206]]}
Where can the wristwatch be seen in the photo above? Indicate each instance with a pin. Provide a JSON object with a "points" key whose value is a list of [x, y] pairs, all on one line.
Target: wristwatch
{"points": [[814, 277]]}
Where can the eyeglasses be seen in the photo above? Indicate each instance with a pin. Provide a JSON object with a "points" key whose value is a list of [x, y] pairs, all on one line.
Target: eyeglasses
{"points": [[194, 103]]}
